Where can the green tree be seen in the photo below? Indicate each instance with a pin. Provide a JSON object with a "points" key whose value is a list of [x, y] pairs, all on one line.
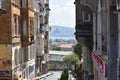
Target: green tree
{"points": [[78, 50], [71, 59], [56, 48], [64, 75]]}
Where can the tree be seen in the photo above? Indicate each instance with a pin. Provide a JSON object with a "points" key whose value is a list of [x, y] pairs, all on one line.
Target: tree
{"points": [[78, 50], [64, 75], [71, 59], [56, 48]]}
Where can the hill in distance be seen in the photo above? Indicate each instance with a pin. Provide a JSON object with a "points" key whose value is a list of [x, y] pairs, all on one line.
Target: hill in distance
{"points": [[61, 31]]}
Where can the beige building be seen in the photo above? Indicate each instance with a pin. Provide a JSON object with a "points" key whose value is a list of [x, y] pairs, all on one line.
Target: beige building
{"points": [[42, 34], [18, 38]]}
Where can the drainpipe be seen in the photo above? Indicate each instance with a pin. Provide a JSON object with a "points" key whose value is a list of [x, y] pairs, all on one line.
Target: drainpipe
{"points": [[112, 42], [118, 60]]}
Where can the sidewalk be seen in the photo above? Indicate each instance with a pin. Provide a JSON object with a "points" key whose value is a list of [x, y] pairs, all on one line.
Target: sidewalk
{"points": [[43, 76], [71, 77]]}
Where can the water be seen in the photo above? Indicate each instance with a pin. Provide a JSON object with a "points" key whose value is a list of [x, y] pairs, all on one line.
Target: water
{"points": [[62, 38]]}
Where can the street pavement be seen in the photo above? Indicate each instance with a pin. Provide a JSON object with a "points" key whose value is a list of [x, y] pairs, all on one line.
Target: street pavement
{"points": [[54, 75]]}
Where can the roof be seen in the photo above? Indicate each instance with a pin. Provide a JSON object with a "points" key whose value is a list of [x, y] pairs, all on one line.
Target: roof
{"points": [[66, 45], [56, 43]]}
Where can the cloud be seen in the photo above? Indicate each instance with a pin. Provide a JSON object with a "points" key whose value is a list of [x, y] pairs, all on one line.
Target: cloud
{"points": [[63, 13]]}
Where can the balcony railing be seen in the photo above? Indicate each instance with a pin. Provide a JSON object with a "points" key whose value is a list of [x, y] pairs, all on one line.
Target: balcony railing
{"points": [[83, 34]]}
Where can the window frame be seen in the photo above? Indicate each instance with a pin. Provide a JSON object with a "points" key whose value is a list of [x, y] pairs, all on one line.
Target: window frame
{"points": [[84, 16]]}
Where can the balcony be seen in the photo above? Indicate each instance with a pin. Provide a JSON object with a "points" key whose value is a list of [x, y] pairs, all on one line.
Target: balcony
{"points": [[84, 30], [27, 40], [90, 3], [84, 34]]}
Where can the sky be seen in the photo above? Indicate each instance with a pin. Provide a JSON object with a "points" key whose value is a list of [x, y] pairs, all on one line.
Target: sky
{"points": [[62, 13]]}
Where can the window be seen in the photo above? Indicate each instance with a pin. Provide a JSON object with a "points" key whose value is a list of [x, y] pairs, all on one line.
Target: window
{"points": [[19, 25], [30, 4], [25, 54], [85, 17], [31, 26], [24, 27], [16, 57], [20, 55], [41, 27], [23, 3], [17, 2], [15, 25], [41, 7], [0, 4]]}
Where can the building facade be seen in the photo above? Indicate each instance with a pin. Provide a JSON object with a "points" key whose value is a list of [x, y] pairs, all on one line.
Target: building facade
{"points": [[42, 34], [18, 38], [83, 34], [105, 15]]}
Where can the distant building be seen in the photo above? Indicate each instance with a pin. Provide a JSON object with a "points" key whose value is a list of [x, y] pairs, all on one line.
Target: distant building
{"points": [[64, 45], [41, 8], [56, 59], [58, 55]]}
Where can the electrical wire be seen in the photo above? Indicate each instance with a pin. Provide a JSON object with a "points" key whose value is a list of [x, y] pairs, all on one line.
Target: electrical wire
{"points": [[52, 19]]}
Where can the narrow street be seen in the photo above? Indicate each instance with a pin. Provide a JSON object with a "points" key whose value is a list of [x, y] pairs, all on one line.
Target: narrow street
{"points": [[55, 76]]}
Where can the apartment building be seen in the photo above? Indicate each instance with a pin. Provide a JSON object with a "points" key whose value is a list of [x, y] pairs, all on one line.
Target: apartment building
{"points": [[83, 34], [27, 39], [105, 52], [10, 40], [19, 38], [42, 34]]}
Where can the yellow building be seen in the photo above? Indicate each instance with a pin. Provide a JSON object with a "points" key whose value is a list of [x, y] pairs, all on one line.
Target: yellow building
{"points": [[15, 22]]}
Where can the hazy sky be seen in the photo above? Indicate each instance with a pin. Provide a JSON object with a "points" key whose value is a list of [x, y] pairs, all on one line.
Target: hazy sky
{"points": [[62, 13]]}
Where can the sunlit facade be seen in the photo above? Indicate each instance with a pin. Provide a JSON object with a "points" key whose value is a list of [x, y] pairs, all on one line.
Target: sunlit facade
{"points": [[18, 39]]}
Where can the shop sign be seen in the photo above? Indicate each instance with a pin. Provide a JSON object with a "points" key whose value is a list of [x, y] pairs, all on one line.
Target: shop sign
{"points": [[100, 64]]}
